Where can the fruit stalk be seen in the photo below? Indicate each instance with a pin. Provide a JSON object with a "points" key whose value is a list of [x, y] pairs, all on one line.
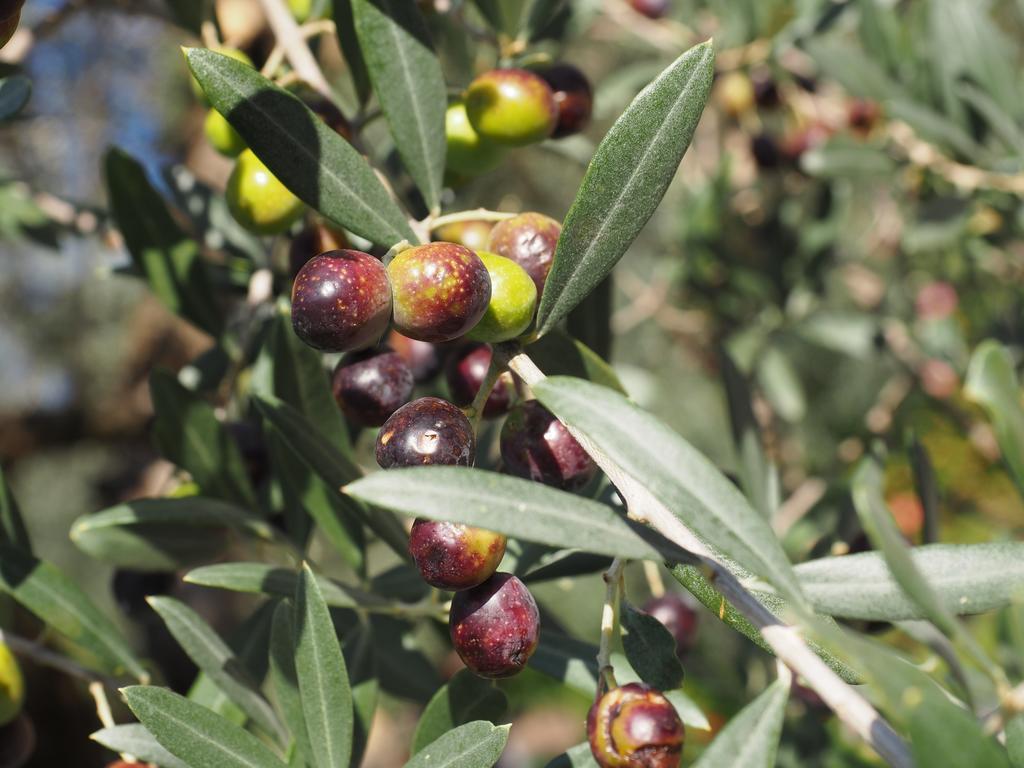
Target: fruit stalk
{"points": [[785, 641], [609, 625]]}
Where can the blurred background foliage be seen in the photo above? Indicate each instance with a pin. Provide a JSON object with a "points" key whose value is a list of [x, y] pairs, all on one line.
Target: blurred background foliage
{"points": [[847, 227]]}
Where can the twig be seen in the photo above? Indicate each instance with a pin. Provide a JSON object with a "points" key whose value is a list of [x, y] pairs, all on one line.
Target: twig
{"points": [[309, 31], [784, 640], [477, 214], [290, 38], [609, 625], [47, 658]]}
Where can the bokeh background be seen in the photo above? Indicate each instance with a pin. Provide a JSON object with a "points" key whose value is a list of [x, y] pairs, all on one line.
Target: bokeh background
{"points": [[847, 226]]}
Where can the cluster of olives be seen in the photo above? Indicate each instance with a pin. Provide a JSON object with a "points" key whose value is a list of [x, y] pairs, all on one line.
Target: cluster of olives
{"points": [[430, 295], [513, 107]]}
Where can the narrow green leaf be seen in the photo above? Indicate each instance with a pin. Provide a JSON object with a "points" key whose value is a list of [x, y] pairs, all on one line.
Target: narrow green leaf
{"points": [[751, 738], [407, 79], [166, 256], [675, 474], [134, 739], [626, 180], [332, 467], [15, 92], [262, 578], [694, 581], [565, 563], [188, 434], [362, 672], [322, 676], [249, 641], [194, 734], [216, 660], [402, 667], [309, 158], [285, 679], [651, 649], [299, 379], [502, 15], [305, 493], [570, 661], [881, 528], [13, 532], [463, 699], [164, 534], [349, 43], [46, 592], [473, 745], [966, 578], [508, 505], [992, 383], [1015, 741]]}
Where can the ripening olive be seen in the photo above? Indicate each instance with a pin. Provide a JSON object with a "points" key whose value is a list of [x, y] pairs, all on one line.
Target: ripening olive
{"points": [[465, 372], [371, 385], [529, 239], [573, 95], [472, 234], [454, 556], [635, 726], [258, 200], [495, 626], [537, 446], [511, 106], [426, 431]]}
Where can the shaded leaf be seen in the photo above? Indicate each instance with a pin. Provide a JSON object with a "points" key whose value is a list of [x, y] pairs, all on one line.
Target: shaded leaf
{"points": [[350, 49], [135, 740], [682, 479], [651, 649], [408, 82], [625, 182], [474, 745], [566, 563], [194, 734], [966, 578], [188, 434], [323, 679], [46, 592], [570, 661], [216, 660], [285, 680], [558, 354], [314, 162], [12, 526], [164, 534], [462, 699], [751, 738], [166, 256]]}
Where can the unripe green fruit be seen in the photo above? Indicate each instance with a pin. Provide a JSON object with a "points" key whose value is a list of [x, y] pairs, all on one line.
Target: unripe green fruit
{"points": [[301, 9], [257, 200], [468, 152], [511, 106], [233, 53], [221, 135], [513, 301], [12, 686]]}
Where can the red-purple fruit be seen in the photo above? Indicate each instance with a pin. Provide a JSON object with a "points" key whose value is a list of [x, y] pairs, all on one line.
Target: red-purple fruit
{"points": [[573, 96], [678, 616], [426, 431], [652, 9], [511, 106], [635, 726], [422, 357], [441, 290], [371, 385], [537, 446], [495, 626], [465, 372], [453, 556], [529, 239], [341, 301]]}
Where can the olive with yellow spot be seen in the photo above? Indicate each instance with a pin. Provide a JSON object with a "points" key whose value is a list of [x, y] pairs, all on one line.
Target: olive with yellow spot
{"points": [[513, 301]]}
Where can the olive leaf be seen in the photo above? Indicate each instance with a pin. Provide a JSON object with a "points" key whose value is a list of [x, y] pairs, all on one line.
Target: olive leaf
{"points": [[751, 738], [310, 158], [625, 182], [407, 79]]}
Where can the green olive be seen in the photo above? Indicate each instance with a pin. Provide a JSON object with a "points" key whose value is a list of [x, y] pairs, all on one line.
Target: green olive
{"points": [[12, 686], [257, 200], [301, 9], [511, 106], [468, 153], [513, 300], [221, 135]]}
